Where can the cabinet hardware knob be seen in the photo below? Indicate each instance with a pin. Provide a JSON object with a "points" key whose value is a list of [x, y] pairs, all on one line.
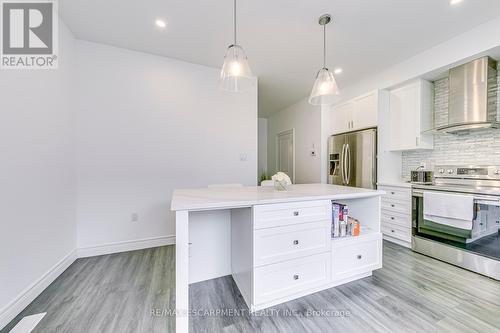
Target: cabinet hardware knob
{"points": [[392, 217], [392, 230], [359, 256], [393, 192], [392, 205], [296, 242], [295, 213], [295, 277]]}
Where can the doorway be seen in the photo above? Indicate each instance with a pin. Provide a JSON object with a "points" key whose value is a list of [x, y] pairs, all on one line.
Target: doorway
{"points": [[285, 153]]}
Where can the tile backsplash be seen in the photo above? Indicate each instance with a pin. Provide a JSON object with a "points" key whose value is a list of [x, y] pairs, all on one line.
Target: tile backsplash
{"points": [[479, 147]]}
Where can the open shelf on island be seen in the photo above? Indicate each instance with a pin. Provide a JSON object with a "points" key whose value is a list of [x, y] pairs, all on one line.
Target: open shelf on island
{"points": [[363, 233], [366, 211]]}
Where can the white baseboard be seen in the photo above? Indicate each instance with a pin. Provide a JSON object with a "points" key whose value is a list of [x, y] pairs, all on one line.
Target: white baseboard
{"points": [[27, 296], [132, 245]]}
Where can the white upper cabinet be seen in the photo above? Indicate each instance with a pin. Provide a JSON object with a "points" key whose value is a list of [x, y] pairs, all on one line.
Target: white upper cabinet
{"points": [[410, 115], [365, 111], [340, 118], [358, 113]]}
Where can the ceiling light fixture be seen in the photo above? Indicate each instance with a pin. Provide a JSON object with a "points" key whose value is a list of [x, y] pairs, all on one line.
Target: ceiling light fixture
{"points": [[325, 87], [455, 2], [161, 24], [338, 70], [235, 75]]}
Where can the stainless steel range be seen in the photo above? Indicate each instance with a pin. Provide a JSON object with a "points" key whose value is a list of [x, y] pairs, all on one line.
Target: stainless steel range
{"points": [[457, 218]]}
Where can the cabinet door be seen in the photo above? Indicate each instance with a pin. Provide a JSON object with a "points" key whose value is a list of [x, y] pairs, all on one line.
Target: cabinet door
{"points": [[404, 118], [365, 111], [340, 118]]}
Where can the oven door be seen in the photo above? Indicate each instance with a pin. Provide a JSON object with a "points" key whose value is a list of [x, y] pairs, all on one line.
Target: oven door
{"points": [[429, 229], [440, 232]]}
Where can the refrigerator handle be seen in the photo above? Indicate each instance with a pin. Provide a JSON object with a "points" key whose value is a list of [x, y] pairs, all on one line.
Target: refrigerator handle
{"points": [[348, 169], [344, 164]]}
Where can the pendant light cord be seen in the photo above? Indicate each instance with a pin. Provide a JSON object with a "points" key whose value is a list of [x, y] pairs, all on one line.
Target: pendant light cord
{"points": [[324, 45], [234, 21]]}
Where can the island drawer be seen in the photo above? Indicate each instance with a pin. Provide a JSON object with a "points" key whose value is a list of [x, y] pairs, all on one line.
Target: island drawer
{"points": [[396, 193], [275, 215], [273, 245], [290, 277], [356, 256]]}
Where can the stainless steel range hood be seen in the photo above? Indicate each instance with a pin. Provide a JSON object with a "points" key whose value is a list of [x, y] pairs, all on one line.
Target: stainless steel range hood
{"points": [[472, 102]]}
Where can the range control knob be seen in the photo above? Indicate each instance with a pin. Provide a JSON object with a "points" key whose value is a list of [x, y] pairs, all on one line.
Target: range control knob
{"points": [[441, 170], [450, 171]]}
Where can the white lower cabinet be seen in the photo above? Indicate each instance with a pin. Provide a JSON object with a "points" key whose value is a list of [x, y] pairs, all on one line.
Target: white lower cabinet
{"points": [[396, 231], [355, 256], [290, 277], [283, 243], [293, 254], [275, 215], [396, 214]]}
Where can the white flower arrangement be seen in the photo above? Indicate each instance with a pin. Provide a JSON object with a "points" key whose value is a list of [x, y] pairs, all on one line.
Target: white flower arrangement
{"points": [[281, 181]]}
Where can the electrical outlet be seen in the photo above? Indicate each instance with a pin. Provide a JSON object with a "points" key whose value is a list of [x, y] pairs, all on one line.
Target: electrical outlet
{"points": [[134, 217], [243, 157]]}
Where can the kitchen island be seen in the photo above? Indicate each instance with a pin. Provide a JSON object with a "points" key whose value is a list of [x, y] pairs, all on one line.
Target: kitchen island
{"points": [[281, 245]]}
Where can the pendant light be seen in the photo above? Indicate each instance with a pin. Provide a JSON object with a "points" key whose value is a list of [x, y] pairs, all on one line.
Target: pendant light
{"points": [[235, 75], [325, 87]]}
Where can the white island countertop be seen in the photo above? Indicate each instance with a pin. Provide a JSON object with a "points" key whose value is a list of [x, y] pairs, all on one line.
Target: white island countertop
{"points": [[246, 196]]}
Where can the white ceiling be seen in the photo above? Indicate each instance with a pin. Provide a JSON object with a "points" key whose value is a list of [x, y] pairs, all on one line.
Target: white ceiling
{"points": [[281, 37]]}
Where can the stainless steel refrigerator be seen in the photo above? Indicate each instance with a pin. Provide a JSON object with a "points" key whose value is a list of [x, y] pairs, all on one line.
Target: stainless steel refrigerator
{"points": [[353, 159]]}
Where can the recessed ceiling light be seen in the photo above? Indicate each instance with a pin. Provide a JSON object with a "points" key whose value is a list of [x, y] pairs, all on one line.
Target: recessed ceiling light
{"points": [[338, 70], [455, 2], [161, 24]]}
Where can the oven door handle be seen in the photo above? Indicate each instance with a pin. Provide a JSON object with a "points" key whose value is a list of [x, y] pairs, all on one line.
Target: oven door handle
{"points": [[488, 202], [479, 199]]}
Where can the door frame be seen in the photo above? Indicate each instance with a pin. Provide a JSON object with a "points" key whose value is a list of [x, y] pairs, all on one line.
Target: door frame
{"points": [[290, 131]]}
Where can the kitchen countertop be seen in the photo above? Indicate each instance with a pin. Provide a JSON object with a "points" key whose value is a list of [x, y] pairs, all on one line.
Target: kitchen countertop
{"points": [[246, 196], [401, 183]]}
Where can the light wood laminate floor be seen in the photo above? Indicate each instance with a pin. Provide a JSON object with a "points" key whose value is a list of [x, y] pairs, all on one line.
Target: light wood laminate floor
{"points": [[133, 292]]}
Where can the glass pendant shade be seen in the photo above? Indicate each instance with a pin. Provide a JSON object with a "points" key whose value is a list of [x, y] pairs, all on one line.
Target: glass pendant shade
{"points": [[325, 89], [235, 75]]}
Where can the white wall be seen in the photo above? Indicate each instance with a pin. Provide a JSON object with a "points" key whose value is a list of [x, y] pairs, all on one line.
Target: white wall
{"points": [[37, 191], [306, 120], [262, 146], [147, 125]]}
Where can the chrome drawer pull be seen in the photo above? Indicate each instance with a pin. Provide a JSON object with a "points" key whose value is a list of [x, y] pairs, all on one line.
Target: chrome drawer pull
{"points": [[295, 213], [296, 242], [359, 256], [295, 277]]}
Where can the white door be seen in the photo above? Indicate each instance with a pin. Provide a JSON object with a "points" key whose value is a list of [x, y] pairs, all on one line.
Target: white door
{"points": [[285, 154]]}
